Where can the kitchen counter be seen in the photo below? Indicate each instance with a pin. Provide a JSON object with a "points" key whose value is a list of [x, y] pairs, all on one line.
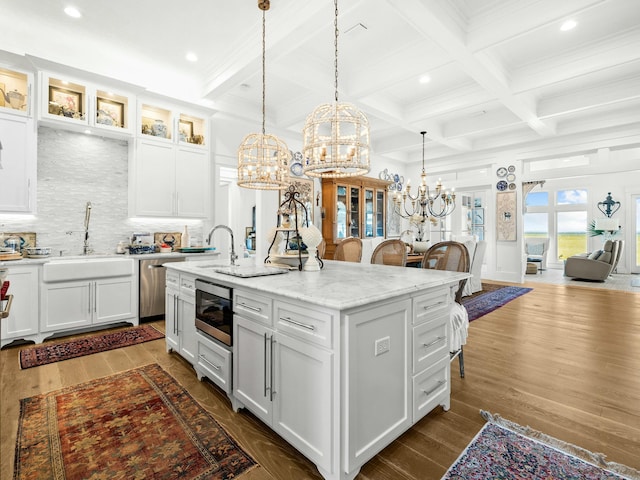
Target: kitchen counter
{"points": [[339, 285], [142, 256]]}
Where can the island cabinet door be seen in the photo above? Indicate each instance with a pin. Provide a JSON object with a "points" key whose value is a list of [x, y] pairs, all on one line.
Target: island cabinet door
{"points": [[252, 373], [171, 319], [303, 398], [376, 370]]}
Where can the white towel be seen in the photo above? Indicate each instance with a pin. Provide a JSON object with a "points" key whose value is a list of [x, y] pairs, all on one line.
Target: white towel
{"points": [[459, 322]]}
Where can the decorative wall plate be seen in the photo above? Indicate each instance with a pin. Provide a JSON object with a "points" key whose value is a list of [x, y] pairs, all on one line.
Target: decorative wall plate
{"points": [[297, 157], [511, 177], [512, 186], [512, 169], [501, 185], [501, 172], [296, 169]]}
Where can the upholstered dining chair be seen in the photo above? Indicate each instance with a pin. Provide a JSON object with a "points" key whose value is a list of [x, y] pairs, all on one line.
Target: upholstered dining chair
{"points": [[349, 250], [453, 256], [390, 252]]}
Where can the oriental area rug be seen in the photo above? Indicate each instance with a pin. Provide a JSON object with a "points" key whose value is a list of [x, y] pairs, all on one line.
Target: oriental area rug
{"points": [[50, 352], [491, 298], [508, 451], [136, 424]]}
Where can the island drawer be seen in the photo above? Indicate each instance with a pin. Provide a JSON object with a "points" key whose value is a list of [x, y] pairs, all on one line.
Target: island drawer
{"points": [[431, 304], [430, 342], [253, 306], [314, 326], [430, 388], [173, 280], [187, 285], [214, 362]]}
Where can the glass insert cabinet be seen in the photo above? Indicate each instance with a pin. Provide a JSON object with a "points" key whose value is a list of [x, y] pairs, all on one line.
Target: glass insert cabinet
{"points": [[352, 207]]}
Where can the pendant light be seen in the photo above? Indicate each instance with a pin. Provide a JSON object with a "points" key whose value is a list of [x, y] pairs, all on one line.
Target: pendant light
{"points": [[336, 136], [263, 159]]}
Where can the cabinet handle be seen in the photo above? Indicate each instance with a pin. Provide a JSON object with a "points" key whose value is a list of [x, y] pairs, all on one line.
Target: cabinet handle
{"points": [[273, 392], [249, 307], [427, 345], [95, 296], [438, 385], [427, 307], [264, 376], [90, 299], [175, 314], [299, 324], [204, 359]]}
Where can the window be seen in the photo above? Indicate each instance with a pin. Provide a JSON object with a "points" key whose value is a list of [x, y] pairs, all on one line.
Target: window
{"points": [[571, 197], [572, 234]]}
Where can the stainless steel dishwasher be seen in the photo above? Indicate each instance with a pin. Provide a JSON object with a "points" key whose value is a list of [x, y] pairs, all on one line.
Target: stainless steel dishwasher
{"points": [[152, 285]]}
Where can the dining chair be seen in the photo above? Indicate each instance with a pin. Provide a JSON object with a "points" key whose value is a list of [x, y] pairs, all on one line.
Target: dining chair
{"points": [[454, 257], [349, 250], [390, 252]]}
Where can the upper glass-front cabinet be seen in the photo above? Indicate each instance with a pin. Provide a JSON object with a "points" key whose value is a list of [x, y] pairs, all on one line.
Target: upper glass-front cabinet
{"points": [[165, 122], [15, 91], [74, 102]]}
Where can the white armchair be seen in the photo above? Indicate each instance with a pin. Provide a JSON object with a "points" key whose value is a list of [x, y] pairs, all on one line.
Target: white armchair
{"points": [[536, 250]]}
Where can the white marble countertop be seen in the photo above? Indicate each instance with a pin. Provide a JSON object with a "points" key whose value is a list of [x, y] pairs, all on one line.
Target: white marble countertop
{"points": [[339, 285]]}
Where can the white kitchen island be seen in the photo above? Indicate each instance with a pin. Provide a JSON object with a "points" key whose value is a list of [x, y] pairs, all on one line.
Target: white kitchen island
{"points": [[339, 362]]}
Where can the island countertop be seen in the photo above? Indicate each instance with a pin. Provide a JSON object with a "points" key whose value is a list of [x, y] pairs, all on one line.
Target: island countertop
{"points": [[339, 285]]}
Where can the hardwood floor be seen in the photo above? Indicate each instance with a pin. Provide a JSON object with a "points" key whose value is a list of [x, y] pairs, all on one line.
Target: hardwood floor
{"points": [[561, 359]]}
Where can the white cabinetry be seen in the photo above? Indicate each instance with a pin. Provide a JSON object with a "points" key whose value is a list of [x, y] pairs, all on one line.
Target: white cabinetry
{"points": [[171, 181], [76, 102], [69, 305], [286, 382], [171, 172], [18, 160], [18, 142], [22, 322], [180, 312]]}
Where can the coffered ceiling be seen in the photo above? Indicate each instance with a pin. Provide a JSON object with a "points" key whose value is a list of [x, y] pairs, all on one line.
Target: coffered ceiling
{"points": [[503, 75]]}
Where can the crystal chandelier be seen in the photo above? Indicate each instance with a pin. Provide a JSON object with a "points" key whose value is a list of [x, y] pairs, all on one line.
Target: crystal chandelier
{"points": [[336, 136], [263, 160], [419, 207]]}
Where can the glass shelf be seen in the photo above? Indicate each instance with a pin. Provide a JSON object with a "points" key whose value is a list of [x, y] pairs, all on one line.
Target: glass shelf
{"points": [[112, 109], [67, 99], [191, 129], [15, 89]]}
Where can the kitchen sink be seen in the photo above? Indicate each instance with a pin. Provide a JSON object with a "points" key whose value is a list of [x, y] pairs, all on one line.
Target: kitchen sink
{"points": [[246, 271], [66, 269]]}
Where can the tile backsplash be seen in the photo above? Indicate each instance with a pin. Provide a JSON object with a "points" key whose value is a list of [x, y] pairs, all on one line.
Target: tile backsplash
{"points": [[76, 168]]}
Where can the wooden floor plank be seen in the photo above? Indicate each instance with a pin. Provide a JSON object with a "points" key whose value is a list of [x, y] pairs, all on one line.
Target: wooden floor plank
{"points": [[561, 359]]}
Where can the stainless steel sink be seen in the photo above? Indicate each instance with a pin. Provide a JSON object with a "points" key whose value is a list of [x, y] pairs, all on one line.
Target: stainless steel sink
{"points": [[248, 271]]}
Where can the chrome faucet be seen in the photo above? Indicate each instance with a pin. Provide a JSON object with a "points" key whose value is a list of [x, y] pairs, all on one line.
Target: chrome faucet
{"points": [[233, 248], [87, 217]]}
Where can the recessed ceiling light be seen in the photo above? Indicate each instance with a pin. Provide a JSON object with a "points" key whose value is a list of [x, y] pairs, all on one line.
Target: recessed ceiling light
{"points": [[88, 132], [72, 12], [568, 25], [425, 79], [192, 57]]}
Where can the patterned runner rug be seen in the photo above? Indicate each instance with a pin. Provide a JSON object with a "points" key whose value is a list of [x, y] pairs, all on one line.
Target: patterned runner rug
{"points": [[491, 298], [135, 424], [50, 352], [506, 450]]}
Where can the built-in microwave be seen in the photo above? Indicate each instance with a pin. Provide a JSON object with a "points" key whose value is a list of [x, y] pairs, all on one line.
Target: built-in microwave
{"points": [[214, 311]]}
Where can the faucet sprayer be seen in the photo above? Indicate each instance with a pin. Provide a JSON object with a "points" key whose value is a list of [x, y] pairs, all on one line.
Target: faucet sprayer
{"points": [[233, 249], [87, 217]]}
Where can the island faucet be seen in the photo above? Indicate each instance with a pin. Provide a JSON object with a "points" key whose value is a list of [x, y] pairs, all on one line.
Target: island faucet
{"points": [[233, 248]]}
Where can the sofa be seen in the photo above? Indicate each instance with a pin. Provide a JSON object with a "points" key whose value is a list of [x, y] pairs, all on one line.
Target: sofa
{"points": [[597, 265]]}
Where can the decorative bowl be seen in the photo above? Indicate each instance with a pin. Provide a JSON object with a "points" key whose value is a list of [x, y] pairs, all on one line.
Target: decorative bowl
{"points": [[37, 251]]}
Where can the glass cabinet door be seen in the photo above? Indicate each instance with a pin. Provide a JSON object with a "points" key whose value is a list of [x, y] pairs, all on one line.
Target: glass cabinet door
{"points": [[379, 213], [341, 212], [368, 214], [354, 213]]}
